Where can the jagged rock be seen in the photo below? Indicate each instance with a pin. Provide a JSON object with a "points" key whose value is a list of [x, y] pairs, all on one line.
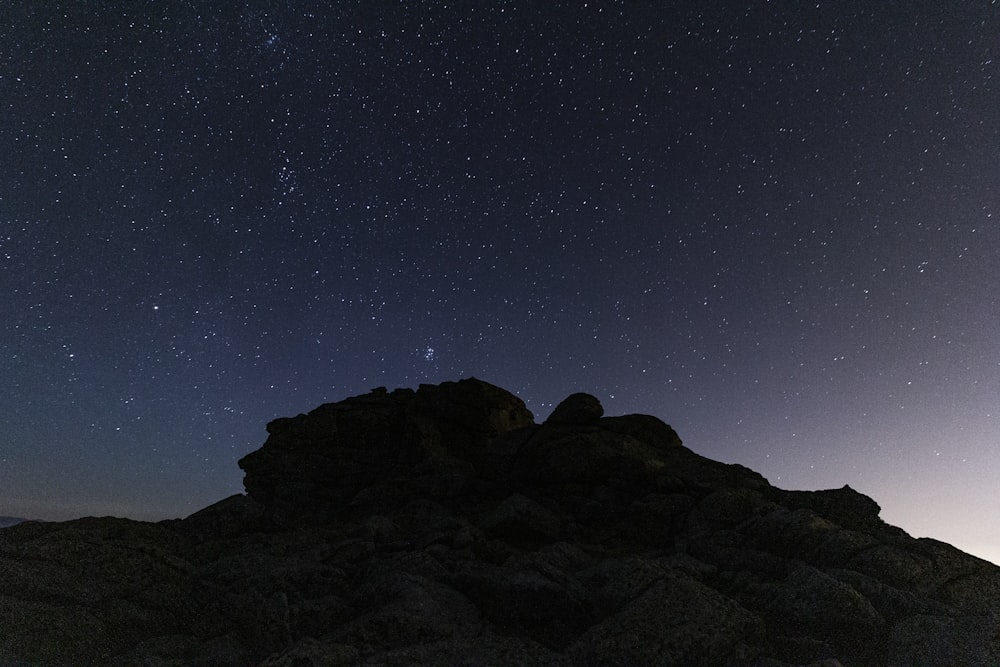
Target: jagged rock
{"points": [[401, 443], [577, 409], [443, 525]]}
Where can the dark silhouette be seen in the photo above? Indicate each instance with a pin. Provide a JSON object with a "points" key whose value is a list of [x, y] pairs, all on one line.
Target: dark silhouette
{"points": [[444, 526]]}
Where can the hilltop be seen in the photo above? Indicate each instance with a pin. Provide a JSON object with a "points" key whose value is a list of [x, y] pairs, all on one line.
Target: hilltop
{"points": [[443, 525]]}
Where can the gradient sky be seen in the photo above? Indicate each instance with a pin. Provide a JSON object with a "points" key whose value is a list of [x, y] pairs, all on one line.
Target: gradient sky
{"points": [[775, 227]]}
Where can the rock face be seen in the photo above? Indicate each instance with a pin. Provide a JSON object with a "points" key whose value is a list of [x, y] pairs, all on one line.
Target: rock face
{"points": [[373, 447], [443, 526], [577, 409]]}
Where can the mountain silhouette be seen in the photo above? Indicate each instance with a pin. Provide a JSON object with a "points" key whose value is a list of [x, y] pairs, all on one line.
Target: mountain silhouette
{"points": [[444, 526]]}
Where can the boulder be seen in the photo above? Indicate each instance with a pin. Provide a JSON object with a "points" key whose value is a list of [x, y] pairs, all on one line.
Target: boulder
{"points": [[577, 409], [656, 615]]}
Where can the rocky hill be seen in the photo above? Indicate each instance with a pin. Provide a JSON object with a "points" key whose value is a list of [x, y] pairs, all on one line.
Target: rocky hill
{"points": [[443, 526]]}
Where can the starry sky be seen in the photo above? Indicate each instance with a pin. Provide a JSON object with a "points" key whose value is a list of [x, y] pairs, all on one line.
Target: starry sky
{"points": [[774, 225]]}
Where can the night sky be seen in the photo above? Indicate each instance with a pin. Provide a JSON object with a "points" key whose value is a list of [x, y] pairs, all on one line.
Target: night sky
{"points": [[776, 227]]}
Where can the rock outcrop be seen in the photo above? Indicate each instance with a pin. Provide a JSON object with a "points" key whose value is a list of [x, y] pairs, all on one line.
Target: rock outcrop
{"points": [[577, 409], [444, 526]]}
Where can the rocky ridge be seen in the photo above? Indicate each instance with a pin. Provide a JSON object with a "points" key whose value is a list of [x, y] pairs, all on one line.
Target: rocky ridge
{"points": [[443, 526]]}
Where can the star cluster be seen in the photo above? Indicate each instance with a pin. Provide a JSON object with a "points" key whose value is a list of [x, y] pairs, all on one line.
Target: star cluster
{"points": [[775, 227]]}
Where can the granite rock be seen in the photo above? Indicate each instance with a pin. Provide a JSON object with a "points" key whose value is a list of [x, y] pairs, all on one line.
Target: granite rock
{"points": [[577, 408], [443, 526]]}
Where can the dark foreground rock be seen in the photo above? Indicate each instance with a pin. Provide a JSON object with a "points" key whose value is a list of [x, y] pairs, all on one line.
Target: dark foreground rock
{"points": [[443, 526]]}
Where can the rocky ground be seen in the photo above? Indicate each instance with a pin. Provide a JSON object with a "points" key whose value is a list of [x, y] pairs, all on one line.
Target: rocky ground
{"points": [[444, 527]]}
